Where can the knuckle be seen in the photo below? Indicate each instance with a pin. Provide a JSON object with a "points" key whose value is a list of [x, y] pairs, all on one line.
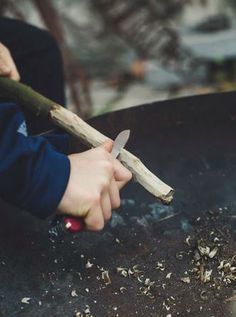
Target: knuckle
{"points": [[101, 152], [92, 198], [104, 184], [104, 154], [107, 165], [95, 198], [95, 224]]}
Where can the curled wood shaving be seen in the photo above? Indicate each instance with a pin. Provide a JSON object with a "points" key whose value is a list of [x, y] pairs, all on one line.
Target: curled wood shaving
{"points": [[122, 271], [106, 277], [203, 295], [88, 265], [169, 275], [187, 241], [123, 289], [160, 266], [85, 313], [26, 300], [73, 293]]}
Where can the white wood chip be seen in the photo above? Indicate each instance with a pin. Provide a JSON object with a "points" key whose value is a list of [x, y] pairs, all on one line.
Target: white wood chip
{"points": [[25, 300]]}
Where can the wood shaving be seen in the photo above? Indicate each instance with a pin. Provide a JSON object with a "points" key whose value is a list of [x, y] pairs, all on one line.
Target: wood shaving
{"points": [[160, 266], [213, 253], [123, 289], [185, 279], [204, 296], [204, 250], [73, 293], [88, 265], [85, 313], [207, 276], [26, 300], [179, 255], [106, 277], [187, 241], [122, 271], [169, 275]]}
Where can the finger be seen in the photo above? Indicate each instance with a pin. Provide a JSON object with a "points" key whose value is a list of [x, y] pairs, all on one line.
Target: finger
{"points": [[8, 66], [106, 206], [121, 184], [107, 145], [5, 70], [14, 74], [114, 194], [9, 69], [121, 173], [94, 220]]}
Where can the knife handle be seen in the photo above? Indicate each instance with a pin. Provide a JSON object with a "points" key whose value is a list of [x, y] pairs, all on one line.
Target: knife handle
{"points": [[67, 224], [73, 225]]}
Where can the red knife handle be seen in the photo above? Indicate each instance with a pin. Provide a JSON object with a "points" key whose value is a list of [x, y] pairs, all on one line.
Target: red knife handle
{"points": [[73, 225], [66, 224]]}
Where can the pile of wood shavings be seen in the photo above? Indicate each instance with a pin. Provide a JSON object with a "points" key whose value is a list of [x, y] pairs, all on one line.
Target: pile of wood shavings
{"points": [[209, 265], [135, 272]]}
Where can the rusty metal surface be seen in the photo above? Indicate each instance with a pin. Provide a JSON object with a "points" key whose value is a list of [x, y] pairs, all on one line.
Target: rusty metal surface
{"points": [[190, 143]]}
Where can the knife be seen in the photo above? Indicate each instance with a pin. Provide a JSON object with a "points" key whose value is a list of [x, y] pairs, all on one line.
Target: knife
{"points": [[120, 142], [74, 224]]}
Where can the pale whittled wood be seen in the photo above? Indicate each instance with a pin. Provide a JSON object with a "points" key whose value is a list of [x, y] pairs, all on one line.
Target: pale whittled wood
{"points": [[76, 126], [64, 118], [146, 178], [79, 128]]}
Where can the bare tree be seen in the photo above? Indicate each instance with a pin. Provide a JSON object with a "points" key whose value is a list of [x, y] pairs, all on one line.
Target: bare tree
{"points": [[73, 69]]}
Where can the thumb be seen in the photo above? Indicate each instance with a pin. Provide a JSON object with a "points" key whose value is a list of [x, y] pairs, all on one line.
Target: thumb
{"points": [[107, 145]]}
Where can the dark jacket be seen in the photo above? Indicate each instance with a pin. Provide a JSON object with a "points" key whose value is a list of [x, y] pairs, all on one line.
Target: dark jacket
{"points": [[34, 170]]}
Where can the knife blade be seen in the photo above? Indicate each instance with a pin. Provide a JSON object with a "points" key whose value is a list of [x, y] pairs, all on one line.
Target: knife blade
{"points": [[73, 224], [120, 142]]}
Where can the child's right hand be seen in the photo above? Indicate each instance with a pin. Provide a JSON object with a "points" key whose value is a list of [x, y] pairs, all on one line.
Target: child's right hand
{"points": [[93, 188]]}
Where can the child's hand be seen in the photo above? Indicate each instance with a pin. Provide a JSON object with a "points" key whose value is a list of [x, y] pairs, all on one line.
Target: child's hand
{"points": [[7, 65], [93, 188]]}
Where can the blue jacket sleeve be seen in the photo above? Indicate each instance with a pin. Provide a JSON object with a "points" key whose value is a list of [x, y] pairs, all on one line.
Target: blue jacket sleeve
{"points": [[60, 140], [33, 174]]}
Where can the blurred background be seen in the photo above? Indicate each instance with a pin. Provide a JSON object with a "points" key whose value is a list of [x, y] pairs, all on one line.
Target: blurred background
{"points": [[122, 53]]}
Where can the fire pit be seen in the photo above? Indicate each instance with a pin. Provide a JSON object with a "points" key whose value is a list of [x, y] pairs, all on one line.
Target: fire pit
{"points": [[151, 260]]}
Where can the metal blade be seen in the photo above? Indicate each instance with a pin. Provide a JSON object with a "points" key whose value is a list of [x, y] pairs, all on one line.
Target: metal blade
{"points": [[120, 142]]}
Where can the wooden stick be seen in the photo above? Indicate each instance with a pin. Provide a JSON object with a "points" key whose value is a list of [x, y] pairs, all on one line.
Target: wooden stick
{"points": [[41, 106]]}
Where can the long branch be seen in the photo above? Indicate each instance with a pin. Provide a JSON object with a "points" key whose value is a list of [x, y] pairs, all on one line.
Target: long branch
{"points": [[41, 106]]}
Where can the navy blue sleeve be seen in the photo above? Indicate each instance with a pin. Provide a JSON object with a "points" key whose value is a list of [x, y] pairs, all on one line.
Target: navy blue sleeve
{"points": [[60, 140], [33, 174]]}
